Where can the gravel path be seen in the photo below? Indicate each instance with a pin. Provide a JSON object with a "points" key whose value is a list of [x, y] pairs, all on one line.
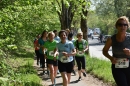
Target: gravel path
{"points": [[86, 81]]}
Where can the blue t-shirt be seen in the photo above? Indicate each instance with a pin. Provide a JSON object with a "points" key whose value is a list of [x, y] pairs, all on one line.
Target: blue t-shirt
{"points": [[66, 47], [41, 42], [57, 38], [73, 40]]}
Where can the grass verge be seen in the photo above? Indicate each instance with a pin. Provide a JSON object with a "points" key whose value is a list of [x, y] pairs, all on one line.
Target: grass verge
{"points": [[100, 69], [18, 70]]}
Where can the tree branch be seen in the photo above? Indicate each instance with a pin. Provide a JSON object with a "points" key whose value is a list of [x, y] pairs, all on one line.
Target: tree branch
{"points": [[58, 4]]}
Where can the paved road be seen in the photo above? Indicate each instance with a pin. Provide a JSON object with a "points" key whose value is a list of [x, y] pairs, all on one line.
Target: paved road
{"points": [[95, 49]]}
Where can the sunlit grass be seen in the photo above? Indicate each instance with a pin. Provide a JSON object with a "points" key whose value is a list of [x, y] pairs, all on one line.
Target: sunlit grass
{"points": [[18, 70], [100, 68]]}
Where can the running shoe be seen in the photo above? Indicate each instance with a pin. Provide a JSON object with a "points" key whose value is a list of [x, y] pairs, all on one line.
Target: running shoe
{"points": [[54, 81], [84, 74], [74, 72], [79, 79], [48, 73], [53, 85], [40, 65], [43, 72], [37, 63], [58, 72]]}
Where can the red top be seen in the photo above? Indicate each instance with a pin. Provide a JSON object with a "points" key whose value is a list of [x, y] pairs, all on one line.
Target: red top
{"points": [[36, 43]]}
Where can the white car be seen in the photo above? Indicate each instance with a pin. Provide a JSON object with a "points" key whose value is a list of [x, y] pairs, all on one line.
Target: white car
{"points": [[105, 38]]}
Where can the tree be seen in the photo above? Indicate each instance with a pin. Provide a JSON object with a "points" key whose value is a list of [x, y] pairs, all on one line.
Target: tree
{"points": [[65, 10], [121, 7], [106, 14], [22, 20], [84, 14]]}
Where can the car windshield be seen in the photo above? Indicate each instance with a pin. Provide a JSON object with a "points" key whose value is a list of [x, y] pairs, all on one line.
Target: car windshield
{"points": [[106, 36]]}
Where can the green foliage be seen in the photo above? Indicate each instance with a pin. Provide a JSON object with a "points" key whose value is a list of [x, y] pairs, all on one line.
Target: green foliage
{"points": [[18, 71], [121, 7], [107, 12], [22, 20]]}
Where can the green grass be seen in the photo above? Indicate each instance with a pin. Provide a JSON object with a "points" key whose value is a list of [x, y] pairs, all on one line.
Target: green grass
{"points": [[100, 68], [18, 70]]}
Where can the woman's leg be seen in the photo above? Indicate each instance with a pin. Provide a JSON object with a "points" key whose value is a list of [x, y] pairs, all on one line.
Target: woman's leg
{"points": [[62, 69], [40, 56], [83, 62], [73, 71], [79, 65], [55, 71], [37, 54], [69, 69], [69, 77], [43, 63], [65, 78], [51, 68], [119, 76]]}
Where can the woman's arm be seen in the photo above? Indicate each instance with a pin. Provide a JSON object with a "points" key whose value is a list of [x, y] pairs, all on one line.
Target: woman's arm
{"points": [[85, 49], [105, 50], [72, 53], [86, 46], [56, 53]]}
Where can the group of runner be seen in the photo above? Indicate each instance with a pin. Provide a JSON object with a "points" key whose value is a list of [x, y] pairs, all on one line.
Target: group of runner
{"points": [[60, 50]]}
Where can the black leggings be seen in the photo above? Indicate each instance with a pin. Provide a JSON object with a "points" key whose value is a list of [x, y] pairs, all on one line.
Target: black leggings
{"points": [[74, 60], [80, 61], [42, 60], [121, 76], [37, 54]]}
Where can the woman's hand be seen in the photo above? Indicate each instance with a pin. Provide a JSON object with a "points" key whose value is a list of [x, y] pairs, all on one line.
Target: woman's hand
{"points": [[45, 57], [56, 54], [65, 54], [127, 51], [113, 60], [54, 58]]}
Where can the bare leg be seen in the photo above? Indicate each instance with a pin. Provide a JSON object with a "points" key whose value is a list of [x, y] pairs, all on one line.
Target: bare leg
{"points": [[55, 71], [69, 77], [79, 72], [51, 68], [65, 78]]}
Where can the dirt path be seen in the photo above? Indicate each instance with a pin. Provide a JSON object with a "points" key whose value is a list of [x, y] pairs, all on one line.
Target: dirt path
{"points": [[86, 81]]}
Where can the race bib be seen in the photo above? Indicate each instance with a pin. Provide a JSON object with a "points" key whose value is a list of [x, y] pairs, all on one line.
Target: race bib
{"points": [[64, 59], [122, 63], [80, 53], [51, 53]]}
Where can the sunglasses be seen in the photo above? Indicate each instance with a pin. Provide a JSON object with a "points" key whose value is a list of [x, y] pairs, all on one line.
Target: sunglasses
{"points": [[120, 24], [80, 35]]}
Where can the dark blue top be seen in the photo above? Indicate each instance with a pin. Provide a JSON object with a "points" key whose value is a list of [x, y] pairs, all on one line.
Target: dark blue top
{"points": [[117, 47]]}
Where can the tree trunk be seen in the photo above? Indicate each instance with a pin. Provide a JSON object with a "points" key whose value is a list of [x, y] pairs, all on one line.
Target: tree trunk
{"points": [[66, 16], [84, 23]]}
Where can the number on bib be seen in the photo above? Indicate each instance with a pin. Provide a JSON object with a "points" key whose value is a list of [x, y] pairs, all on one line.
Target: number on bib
{"points": [[64, 59], [51, 53], [122, 63], [80, 53]]}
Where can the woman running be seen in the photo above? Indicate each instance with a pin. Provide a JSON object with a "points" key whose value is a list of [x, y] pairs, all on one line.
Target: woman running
{"points": [[65, 61], [52, 56], [41, 42], [81, 47]]}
